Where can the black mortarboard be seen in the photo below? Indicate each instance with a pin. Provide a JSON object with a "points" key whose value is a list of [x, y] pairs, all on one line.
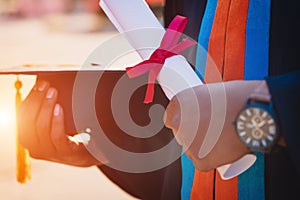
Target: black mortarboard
{"points": [[110, 91]]}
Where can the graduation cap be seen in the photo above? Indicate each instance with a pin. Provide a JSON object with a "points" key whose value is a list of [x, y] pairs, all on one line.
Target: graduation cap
{"points": [[110, 96]]}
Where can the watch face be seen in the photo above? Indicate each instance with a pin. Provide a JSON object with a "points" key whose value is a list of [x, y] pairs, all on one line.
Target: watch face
{"points": [[257, 128]]}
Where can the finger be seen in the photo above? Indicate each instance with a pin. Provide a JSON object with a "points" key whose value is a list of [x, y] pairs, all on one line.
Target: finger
{"points": [[68, 152], [62, 144], [58, 135], [172, 115], [33, 102], [28, 112], [33, 99], [44, 120]]}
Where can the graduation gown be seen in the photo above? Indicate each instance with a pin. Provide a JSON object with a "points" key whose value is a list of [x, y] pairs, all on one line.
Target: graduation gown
{"points": [[282, 167]]}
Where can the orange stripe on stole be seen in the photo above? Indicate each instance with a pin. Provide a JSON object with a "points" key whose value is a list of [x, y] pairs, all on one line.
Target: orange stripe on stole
{"points": [[216, 45], [227, 50], [203, 185], [235, 41]]}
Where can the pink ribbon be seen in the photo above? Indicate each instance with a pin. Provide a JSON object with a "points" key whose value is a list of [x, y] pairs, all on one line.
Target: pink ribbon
{"points": [[169, 46]]}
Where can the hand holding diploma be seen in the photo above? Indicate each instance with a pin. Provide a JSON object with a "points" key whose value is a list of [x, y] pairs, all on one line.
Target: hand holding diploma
{"points": [[175, 76]]}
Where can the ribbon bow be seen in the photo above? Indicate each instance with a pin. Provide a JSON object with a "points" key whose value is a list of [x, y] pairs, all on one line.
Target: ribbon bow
{"points": [[169, 46]]}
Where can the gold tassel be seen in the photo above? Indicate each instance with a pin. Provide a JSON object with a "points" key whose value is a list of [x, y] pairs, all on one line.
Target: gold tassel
{"points": [[23, 159]]}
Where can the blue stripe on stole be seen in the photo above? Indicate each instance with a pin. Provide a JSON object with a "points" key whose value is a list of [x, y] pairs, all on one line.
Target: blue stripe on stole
{"points": [[204, 35], [188, 168], [251, 182]]}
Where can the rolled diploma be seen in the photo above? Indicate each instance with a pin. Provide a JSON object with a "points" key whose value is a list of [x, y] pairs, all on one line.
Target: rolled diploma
{"points": [[133, 16]]}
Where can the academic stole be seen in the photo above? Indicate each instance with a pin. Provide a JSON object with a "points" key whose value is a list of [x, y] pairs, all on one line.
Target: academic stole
{"points": [[235, 33]]}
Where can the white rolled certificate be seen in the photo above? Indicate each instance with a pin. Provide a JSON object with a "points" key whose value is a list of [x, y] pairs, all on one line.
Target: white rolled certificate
{"points": [[131, 18]]}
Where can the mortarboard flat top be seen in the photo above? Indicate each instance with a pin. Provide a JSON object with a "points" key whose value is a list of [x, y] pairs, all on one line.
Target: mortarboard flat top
{"points": [[36, 69]]}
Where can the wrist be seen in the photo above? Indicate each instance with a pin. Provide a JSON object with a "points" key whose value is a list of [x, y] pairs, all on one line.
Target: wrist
{"points": [[257, 124], [262, 93]]}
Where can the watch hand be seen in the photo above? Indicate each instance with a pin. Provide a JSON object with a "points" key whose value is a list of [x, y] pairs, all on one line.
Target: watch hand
{"points": [[253, 121], [261, 124]]}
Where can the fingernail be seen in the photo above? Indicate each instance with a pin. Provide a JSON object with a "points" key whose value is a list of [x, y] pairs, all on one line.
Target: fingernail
{"points": [[56, 111], [42, 86], [50, 93]]}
